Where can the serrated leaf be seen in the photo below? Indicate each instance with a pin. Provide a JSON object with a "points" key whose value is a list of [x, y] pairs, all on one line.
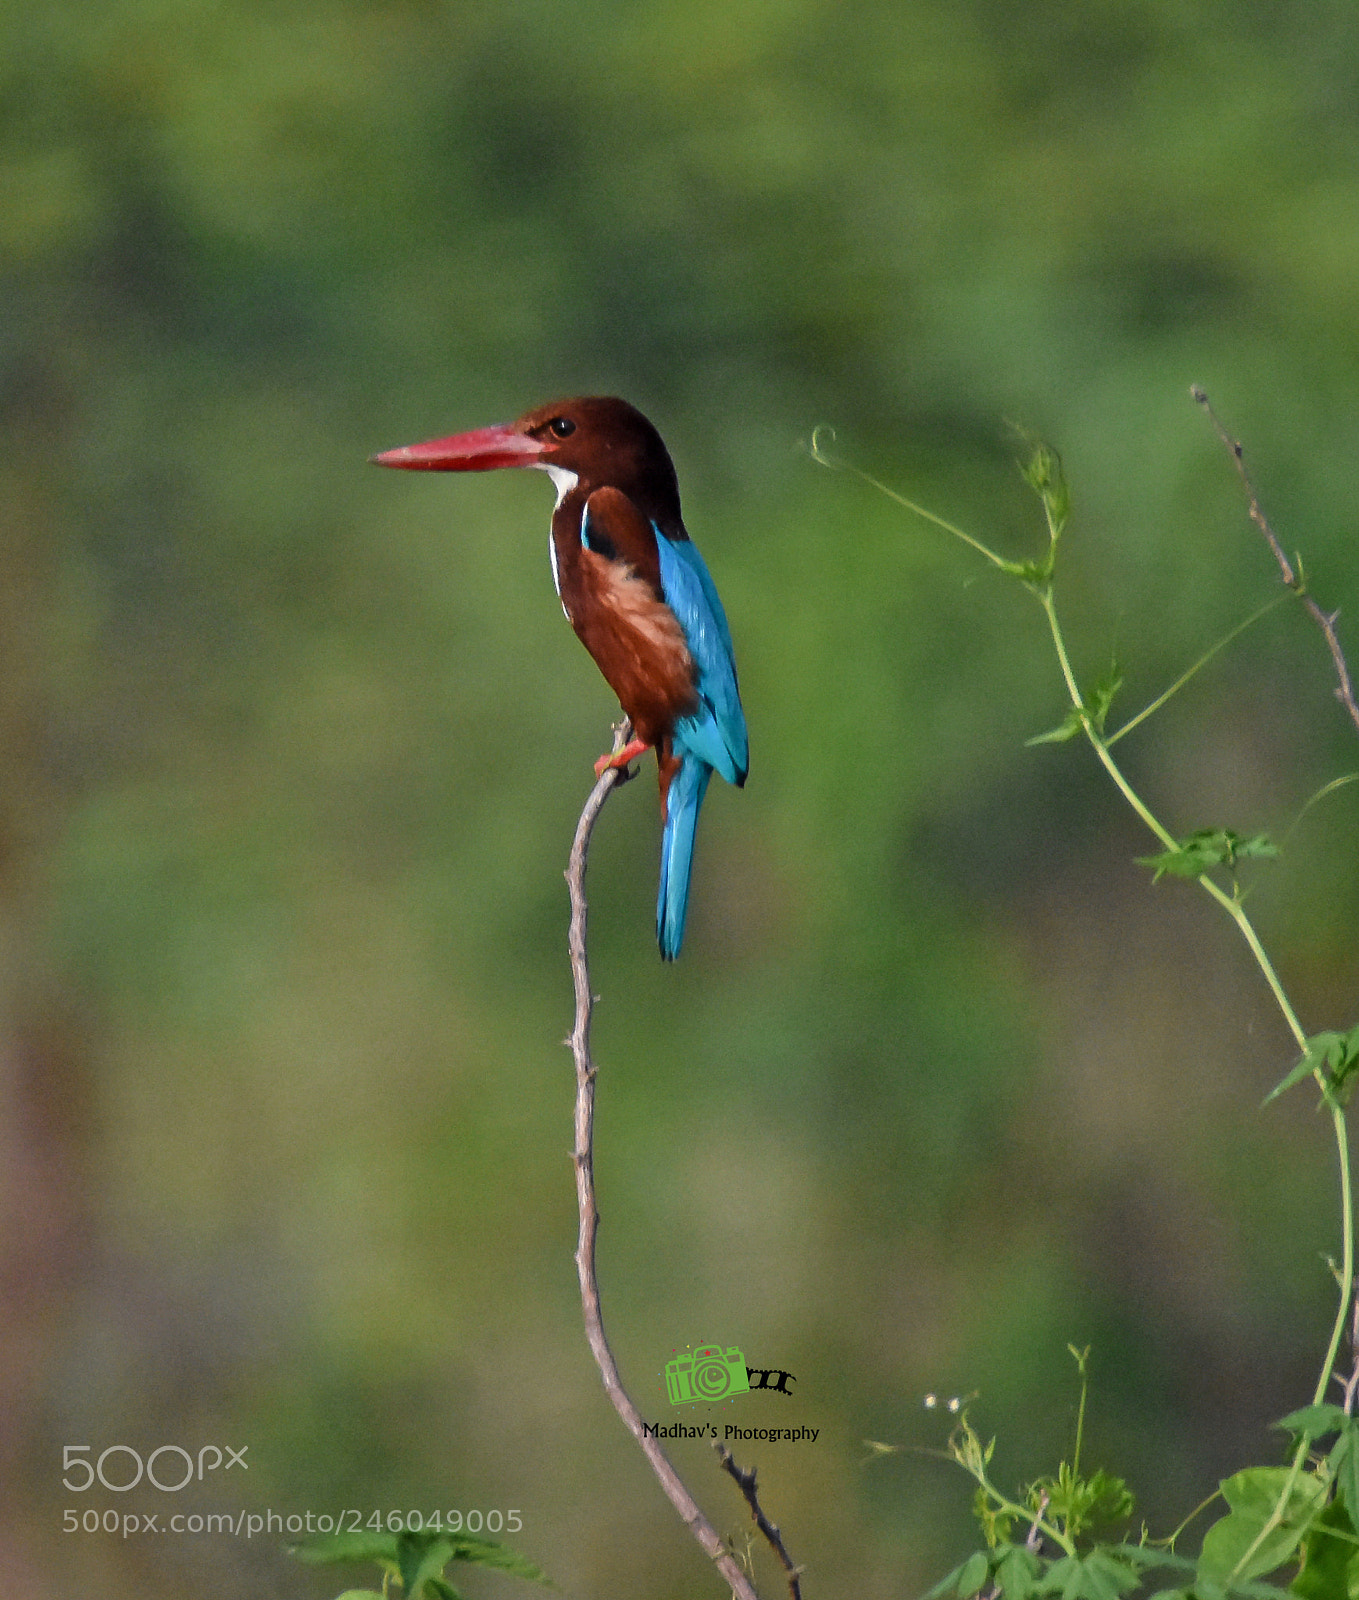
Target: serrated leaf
{"points": [[1098, 1576], [441, 1589], [1252, 1496], [487, 1553], [327, 1549], [973, 1573], [360, 1594], [1315, 1421], [1119, 1573]]}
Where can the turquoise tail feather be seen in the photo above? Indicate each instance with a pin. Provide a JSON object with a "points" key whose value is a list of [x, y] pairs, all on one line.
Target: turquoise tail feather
{"points": [[683, 802]]}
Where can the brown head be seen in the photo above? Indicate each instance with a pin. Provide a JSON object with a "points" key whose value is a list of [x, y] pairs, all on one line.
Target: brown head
{"points": [[589, 441]]}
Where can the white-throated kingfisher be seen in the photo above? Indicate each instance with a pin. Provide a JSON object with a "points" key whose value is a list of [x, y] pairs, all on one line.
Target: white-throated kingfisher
{"points": [[636, 591]]}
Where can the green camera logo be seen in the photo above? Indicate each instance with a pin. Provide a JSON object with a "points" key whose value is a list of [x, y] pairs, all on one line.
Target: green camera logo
{"points": [[706, 1374]]}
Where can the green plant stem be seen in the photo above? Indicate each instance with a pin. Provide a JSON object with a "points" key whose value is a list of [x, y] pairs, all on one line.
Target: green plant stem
{"points": [[819, 453], [1080, 1413], [1203, 1505], [1025, 1514], [1231, 904], [1039, 583], [1276, 1516], [1101, 747], [1347, 1247], [1198, 666]]}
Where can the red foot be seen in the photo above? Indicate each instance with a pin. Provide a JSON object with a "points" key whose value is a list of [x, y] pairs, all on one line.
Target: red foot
{"points": [[629, 752]]}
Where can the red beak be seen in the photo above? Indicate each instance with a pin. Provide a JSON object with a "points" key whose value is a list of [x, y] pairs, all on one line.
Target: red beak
{"points": [[478, 451]]}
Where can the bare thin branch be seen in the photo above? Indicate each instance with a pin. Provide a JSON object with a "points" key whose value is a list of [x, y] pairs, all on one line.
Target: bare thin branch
{"points": [[583, 1156], [746, 1483], [1344, 692]]}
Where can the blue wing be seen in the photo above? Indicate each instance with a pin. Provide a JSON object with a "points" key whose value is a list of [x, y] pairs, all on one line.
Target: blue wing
{"points": [[716, 732]]}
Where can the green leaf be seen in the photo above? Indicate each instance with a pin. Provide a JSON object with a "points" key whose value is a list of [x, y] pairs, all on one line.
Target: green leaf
{"points": [[1315, 1421], [487, 1553], [1120, 1573], [1335, 1056], [1252, 1496], [1330, 1565], [948, 1581], [1017, 1573], [1070, 725], [417, 1559], [1097, 1576], [1094, 710], [328, 1549], [1344, 1464], [973, 1573], [1094, 1585], [1302, 1069], [1206, 848], [1060, 1576], [1141, 1555], [421, 1556], [360, 1594]]}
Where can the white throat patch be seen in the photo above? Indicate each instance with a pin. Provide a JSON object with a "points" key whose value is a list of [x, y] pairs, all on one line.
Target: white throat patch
{"points": [[564, 480]]}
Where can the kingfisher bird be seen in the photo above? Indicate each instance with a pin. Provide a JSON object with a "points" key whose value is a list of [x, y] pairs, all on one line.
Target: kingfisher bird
{"points": [[639, 596]]}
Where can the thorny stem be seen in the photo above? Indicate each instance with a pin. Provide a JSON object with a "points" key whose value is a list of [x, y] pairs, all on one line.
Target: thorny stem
{"points": [[583, 1156]]}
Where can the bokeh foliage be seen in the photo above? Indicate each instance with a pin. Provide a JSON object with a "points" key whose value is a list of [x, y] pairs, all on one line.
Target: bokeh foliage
{"points": [[294, 748]]}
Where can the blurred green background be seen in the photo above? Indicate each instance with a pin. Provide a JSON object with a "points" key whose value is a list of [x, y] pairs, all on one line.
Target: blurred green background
{"points": [[293, 751]]}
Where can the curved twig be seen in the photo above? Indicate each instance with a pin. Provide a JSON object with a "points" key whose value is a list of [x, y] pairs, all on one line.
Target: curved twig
{"points": [[1344, 690], [583, 1156], [746, 1483]]}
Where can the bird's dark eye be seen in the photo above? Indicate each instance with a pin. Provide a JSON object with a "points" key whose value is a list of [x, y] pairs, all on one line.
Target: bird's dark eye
{"points": [[563, 427]]}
